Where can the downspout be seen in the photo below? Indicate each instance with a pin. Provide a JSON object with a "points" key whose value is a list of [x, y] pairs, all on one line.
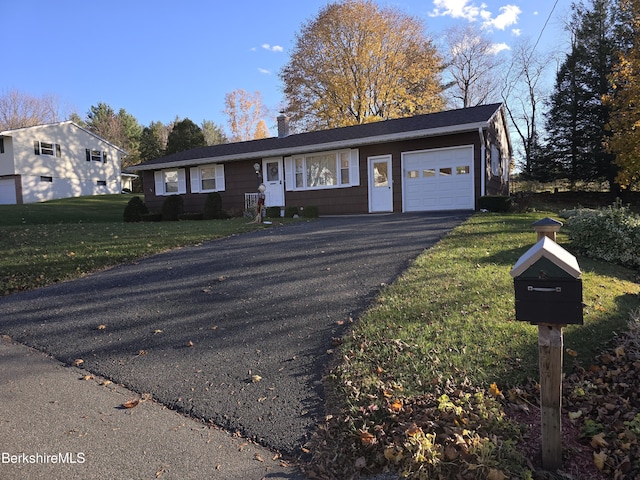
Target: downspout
{"points": [[483, 158]]}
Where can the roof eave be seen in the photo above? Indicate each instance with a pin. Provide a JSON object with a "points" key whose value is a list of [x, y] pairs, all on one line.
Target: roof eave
{"points": [[336, 145]]}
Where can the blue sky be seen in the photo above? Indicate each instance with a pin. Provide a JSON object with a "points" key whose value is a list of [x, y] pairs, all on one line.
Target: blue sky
{"points": [[161, 59]]}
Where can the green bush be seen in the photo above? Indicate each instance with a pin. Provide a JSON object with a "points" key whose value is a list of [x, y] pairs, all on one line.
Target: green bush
{"points": [[273, 212], [190, 216], [310, 212], [494, 203], [213, 207], [290, 212], [611, 234], [172, 208], [134, 210]]}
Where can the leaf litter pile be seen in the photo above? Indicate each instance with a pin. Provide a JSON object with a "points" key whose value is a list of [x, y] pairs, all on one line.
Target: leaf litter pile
{"points": [[464, 432]]}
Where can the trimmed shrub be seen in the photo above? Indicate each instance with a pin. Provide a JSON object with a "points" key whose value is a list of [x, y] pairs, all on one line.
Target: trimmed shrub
{"points": [[172, 208], [190, 216], [290, 212], [273, 212], [311, 212], [611, 234], [494, 203], [213, 207], [134, 210]]}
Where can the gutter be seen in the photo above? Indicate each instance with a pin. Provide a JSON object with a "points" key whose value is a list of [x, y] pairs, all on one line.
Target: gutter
{"points": [[483, 163], [336, 145]]}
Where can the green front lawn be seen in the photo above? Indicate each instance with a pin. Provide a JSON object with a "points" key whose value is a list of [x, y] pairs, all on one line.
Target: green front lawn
{"points": [[49, 242]]}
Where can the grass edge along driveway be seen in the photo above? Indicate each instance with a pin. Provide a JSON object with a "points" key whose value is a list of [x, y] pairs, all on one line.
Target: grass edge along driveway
{"points": [[445, 327]]}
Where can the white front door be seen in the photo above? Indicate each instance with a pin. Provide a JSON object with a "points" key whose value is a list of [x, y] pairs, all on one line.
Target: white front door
{"points": [[272, 178], [380, 184]]}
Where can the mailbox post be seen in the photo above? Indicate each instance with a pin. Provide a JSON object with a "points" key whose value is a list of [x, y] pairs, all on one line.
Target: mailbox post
{"points": [[548, 293]]}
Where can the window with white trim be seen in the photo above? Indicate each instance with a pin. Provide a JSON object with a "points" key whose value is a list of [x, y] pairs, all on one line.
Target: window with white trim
{"points": [[46, 148], [207, 178], [95, 155], [323, 170], [170, 182]]}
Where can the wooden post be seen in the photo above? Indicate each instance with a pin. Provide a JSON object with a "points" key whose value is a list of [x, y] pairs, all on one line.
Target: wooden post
{"points": [[550, 345]]}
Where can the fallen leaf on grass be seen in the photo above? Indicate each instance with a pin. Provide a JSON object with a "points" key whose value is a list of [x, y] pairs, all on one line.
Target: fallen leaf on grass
{"points": [[78, 362], [258, 458], [494, 390], [255, 378], [367, 438], [102, 327], [88, 377], [130, 404], [572, 353]]}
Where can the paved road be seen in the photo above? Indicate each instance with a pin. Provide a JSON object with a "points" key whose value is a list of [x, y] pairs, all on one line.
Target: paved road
{"points": [[234, 331]]}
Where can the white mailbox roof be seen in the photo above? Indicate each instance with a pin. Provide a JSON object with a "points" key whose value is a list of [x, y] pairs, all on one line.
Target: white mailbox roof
{"points": [[550, 250]]}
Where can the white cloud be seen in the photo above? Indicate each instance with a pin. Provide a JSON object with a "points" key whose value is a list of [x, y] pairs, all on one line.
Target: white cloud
{"points": [[456, 9], [516, 32], [496, 48], [508, 16], [264, 71], [272, 48], [472, 11]]}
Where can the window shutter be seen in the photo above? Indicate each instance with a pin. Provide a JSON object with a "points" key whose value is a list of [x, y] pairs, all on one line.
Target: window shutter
{"points": [[354, 167], [159, 180], [104, 157], [182, 181], [58, 152], [289, 174], [88, 152], [36, 147], [220, 178], [196, 184]]}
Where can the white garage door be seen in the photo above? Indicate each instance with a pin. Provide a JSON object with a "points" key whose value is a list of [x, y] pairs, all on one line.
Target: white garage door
{"points": [[7, 191], [438, 180]]}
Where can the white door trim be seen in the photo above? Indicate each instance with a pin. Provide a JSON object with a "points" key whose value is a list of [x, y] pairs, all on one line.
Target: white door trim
{"points": [[273, 181], [380, 197]]}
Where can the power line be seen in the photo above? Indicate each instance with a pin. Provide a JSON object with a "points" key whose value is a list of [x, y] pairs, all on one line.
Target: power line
{"points": [[544, 26]]}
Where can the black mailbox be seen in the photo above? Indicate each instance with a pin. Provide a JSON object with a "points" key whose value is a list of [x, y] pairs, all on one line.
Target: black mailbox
{"points": [[547, 284]]}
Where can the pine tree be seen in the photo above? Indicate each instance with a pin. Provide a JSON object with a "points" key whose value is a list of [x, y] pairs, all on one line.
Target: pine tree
{"points": [[577, 116]]}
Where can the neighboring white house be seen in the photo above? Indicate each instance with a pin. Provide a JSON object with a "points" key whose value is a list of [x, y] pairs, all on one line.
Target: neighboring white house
{"points": [[57, 160]]}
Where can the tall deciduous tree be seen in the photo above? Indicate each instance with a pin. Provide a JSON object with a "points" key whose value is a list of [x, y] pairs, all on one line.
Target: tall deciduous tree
{"points": [[624, 100], [19, 109], [523, 95], [245, 111], [473, 67], [577, 118], [356, 63], [184, 136]]}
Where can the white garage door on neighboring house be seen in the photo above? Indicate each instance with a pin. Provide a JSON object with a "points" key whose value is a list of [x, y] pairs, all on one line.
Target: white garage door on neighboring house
{"points": [[440, 179], [7, 191]]}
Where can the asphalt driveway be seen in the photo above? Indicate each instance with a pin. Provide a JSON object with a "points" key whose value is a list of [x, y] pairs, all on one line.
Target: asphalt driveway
{"points": [[235, 331]]}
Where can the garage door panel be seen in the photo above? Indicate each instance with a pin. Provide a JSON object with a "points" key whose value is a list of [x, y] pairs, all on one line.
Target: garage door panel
{"points": [[7, 192], [438, 180]]}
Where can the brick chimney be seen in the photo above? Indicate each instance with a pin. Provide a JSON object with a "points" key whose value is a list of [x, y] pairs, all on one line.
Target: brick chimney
{"points": [[283, 125]]}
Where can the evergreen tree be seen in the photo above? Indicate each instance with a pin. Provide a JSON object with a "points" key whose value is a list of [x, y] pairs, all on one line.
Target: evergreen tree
{"points": [[577, 116], [184, 136], [153, 141]]}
